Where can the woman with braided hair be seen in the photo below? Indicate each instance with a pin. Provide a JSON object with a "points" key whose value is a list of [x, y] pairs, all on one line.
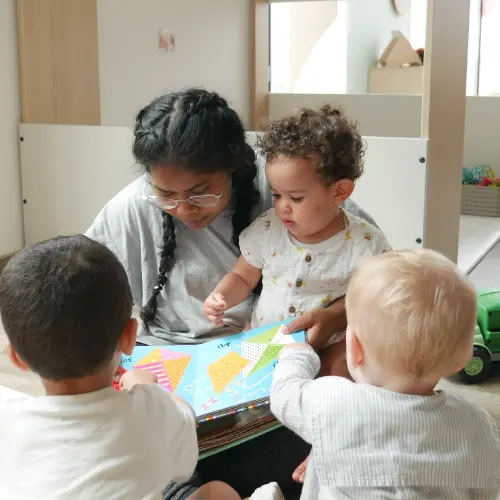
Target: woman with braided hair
{"points": [[176, 231]]}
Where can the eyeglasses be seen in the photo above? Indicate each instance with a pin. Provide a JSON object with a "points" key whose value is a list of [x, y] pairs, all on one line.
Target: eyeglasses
{"points": [[201, 201]]}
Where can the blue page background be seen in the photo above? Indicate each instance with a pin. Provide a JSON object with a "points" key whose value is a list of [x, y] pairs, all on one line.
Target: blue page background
{"points": [[209, 382]]}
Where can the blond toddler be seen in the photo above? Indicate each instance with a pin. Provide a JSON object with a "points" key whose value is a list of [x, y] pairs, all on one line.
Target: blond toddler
{"points": [[390, 434]]}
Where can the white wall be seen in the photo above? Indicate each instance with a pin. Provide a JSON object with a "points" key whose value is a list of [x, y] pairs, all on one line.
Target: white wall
{"points": [[11, 224], [489, 69], [319, 47], [213, 50], [309, 47], [62, 200], [369, 27], [99, 157]]}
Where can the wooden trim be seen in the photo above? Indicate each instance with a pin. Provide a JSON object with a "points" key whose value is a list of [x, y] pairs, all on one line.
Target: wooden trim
{"points": [[443, 120], [261, 45], [21, 50]]}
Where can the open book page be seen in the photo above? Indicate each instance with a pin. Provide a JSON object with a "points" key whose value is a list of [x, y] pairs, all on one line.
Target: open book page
{"points": [[221, 377]]}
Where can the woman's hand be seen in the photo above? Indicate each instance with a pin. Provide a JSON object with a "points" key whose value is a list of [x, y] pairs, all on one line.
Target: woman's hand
{"points": [[321, 324], [214, 308], [136, 377]]}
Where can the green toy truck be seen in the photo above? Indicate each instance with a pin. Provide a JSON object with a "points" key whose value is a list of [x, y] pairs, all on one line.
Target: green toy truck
{"points": [[486, 338]]}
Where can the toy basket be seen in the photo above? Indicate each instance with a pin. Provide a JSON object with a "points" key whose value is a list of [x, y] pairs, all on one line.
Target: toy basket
{"points": [[479, 200]]}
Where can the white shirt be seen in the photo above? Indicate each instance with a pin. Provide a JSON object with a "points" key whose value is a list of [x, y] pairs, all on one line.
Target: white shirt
{"points": [[369, 443], [102, 445], [298, 277]]}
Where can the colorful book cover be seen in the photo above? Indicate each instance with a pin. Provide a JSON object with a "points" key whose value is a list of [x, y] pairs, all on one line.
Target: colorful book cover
{"points": [[220, 377]]}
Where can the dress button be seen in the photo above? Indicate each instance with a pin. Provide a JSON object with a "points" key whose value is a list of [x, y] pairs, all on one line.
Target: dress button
{"points": [[298, 283], [308, 258], [292, 310]]}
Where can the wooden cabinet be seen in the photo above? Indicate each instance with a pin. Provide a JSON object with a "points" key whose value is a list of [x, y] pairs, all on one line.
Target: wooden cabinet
{"points": [[396, 80]]}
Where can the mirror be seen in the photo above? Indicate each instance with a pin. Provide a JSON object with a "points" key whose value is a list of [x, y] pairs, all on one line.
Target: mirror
{"points": [[337, 46]]}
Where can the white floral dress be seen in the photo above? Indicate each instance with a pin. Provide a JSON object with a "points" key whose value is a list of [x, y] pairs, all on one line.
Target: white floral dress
{"points": [[298, 277]]}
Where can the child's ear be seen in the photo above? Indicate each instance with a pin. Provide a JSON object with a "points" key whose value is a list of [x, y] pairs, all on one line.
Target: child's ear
{"points": [[342, 190], [356, 349], [128, 338], [16, 360], [463, 363]]}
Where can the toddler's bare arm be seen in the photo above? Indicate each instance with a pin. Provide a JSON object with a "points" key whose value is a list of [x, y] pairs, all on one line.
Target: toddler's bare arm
{"points": [[234, 288]]}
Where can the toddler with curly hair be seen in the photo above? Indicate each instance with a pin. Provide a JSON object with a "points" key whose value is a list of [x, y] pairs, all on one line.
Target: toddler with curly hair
{"points": [[306, 248]]}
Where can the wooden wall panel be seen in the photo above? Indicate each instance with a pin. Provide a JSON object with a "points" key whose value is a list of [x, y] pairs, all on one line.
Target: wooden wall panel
{"points": [[59, 61], [261, 41], [443, 120]]}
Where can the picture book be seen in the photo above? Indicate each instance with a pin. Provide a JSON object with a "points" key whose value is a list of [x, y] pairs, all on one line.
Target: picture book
{"points": [[221, 377]]}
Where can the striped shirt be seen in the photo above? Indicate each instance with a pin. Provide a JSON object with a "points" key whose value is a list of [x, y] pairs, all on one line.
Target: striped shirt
{"points": [[369, 443]]}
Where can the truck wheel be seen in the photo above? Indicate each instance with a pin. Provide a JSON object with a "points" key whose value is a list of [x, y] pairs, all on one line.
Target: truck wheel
{"points": [[478, 368]]}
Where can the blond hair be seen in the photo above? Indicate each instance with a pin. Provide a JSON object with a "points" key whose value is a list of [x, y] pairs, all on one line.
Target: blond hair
{"points": [[414, 312]]}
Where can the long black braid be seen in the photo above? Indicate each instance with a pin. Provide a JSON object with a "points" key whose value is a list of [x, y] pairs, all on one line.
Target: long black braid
{"points": [[245, 195], [148, 312], [196, 130]]}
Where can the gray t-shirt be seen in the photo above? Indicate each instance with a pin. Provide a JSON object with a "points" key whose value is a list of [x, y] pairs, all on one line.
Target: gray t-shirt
{"points": [[132, 228]]}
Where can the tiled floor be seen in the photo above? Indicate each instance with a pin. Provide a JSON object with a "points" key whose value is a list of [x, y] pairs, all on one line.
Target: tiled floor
{"points": [[477, 236], [487, 273]]}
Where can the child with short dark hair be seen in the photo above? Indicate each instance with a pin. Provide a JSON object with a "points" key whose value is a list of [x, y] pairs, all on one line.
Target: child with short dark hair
{"points": [[66, 307]]}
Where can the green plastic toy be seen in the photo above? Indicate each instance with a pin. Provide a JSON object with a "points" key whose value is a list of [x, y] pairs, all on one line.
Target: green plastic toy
{"points": [[486, 338]]}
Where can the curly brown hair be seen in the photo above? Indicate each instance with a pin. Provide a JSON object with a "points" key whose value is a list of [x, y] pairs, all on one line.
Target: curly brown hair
{"points": [[324, 132]]}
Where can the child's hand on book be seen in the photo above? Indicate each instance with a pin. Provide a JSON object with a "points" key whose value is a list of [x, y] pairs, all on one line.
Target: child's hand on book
{"points": [[136, 377], [214, 308]]}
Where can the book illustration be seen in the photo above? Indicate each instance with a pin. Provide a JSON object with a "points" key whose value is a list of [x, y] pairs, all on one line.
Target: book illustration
{"points": [[266, 336], [233, 392], [198, 387], [223, 371], [160, 354], [175, 369], [253, 353], [169, 366], [281, 338], [252, 396], [269, 356], [264, 348], [219, 376], [159, 370], [209, 404]]}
